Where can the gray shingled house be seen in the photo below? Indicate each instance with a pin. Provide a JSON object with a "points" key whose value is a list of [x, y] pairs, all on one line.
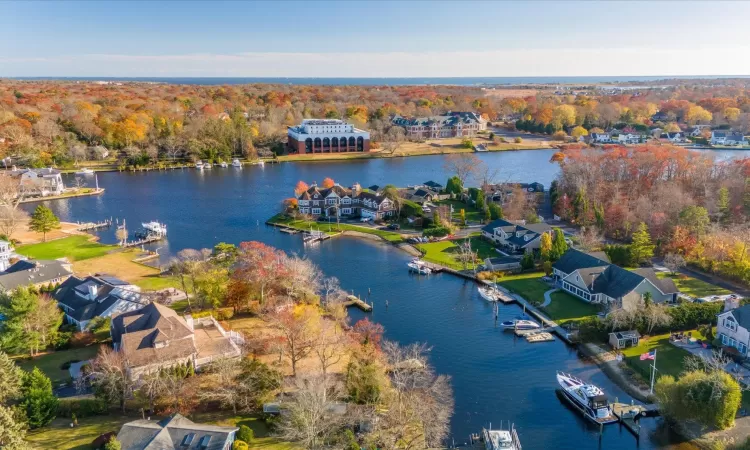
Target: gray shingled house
{"points": [[175, 432]]}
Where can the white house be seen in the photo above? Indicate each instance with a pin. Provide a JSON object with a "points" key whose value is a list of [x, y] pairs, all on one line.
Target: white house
{"points": [[515, 237], [733, 328], [727, 138], [698, 130], [6, 252], [82, 300], [39, 182], [600, 138], [629, 138]]}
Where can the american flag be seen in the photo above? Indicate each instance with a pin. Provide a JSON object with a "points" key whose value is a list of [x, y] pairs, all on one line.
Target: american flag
{"points": [[649, 355]]}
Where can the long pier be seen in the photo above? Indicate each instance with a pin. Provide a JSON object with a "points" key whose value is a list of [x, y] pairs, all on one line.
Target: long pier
{"points": [[94, 225], [146, 240], [352, 300]]}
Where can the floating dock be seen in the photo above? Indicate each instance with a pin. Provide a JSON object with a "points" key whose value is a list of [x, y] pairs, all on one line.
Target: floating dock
{"points": [[94, 225], [541, 336], [352, 300], [629, 415], [289, 230]]}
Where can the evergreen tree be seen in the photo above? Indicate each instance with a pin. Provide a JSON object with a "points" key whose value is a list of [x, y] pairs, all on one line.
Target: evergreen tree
{"points": [[559, 246], [580, 207], [496, 211], [10, 378], [545, 246], [527, 262], [599, 216], [38, 400], [487, 215], [462, 216], [641, 249], [722, 205], [454, 186], [12, 430], [43, 220], [113, 444], [479, 200]]}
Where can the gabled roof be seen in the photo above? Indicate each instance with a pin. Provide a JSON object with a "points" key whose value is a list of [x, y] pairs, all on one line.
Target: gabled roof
{"points": [[616, 282], [573, 260], [74, 294], [665, 285], [24, 273], [433, 185], [175, 432], [742, 315]]}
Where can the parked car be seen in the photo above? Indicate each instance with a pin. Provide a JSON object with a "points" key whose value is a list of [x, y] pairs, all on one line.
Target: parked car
{"points": [[394, 226]]}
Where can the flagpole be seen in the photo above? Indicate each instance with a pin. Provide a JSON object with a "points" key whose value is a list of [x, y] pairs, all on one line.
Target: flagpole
{"points": [[653, 373]]}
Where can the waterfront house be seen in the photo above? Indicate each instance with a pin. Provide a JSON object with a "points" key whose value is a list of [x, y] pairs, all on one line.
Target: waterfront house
{"points": [[660, 116], [156, 337], [629, 138], [175, 432], [624, 339], [98, 152], [733, 328], [34, 273], [83, 299], [448, 125], [600, 138], [515, 237], [727, 138], [592, 278], [421, 194], [698, 130], [501, 191], [433, 185], [340, 201], [39, 182], [317, 136]]}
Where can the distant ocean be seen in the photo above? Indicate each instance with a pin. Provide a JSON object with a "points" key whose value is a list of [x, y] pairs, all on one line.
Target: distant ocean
{"points": [[458, 81]]}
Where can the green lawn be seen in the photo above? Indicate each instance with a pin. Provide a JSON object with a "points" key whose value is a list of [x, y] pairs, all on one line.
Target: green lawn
{"points": [[75, 248], [567, 308], [50, 363], [333, 228], [445, 252], [669, 358], [472, 214], [527, 285], [157, 282], [694, 287], [59, 434]]}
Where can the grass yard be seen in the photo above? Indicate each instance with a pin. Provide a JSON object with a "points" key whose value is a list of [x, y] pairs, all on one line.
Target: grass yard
{"points": [[75, 248], [50, 363], [669, 358], [567, 308], [445, 252], [121, 265], [527, 285], [333, 228], [694, 287], [472, 214]]}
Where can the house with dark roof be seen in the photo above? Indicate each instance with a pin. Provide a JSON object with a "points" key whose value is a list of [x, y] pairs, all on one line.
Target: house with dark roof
{"points": [[340, 201], [83, 299], [733, 328], [433, 185], [515, 237], [175, 432], [594, 279], [727, 138], [36, 273], [450, 124], [156, 337], [660, 116]]}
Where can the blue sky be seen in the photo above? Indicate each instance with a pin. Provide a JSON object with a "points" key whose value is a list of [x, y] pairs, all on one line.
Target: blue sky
{"points": [[359, 38]]}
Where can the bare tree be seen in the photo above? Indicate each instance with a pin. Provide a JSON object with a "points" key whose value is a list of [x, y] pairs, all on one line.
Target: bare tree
{"points": [[590, 239], [329, 345], [225, 387], [79, 183], [109, 376], [466, 255], [655, 316], [10, 219], [151, 386], [462, 165], [312, 415], [10, 191], [330, 287], [674, 262], [302, 278]]}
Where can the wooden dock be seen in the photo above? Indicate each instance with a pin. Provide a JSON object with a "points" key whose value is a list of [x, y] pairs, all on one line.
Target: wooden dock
{"points": [[289, 230], [88, 226], [146, 240], [629, 415], [352, 300], [540, 337]]}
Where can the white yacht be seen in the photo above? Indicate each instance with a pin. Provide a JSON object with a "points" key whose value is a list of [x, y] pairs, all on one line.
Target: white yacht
{"points": [[261, 162], [520, 324], [207, 165], [489, 293], [236, 163], [587, 398], [155, 227], [419, 266], [223, 165], [199, 165], [501, 439], [84, 171]]}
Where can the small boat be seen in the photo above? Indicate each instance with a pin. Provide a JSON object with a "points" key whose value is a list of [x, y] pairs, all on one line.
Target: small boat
{"points": [[236, 163], [501, 439], [199, 165], [84, 171], [491, 294], [207, 166], [520, 324], [223, 164], [587, 398], [419, 266], [261, 163], [155, 227]]}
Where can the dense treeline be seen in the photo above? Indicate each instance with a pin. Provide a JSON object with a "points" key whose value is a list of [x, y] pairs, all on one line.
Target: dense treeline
{"points": [[689, 204]]}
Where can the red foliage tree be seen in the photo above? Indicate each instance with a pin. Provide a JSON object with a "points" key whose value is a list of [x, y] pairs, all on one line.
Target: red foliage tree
{"points": [[328, 182]]}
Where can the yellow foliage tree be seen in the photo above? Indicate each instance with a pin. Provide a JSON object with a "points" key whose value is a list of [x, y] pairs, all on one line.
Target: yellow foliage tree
{"points": [[696, 114], [579, 131]]}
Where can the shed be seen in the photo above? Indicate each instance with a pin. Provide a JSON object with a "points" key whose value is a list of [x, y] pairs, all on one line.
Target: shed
{"points": [[624, 339], [502, 263]]}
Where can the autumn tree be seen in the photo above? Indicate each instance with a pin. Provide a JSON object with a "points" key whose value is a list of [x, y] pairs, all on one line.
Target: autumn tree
{"points": [[300, 187], [559, 246], [327, 183], [261, 266], [545, 246], [43, 220], [641, 248], [299, 325], [110, 377]]}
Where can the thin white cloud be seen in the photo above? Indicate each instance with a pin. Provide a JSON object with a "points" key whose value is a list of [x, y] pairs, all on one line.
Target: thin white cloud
{"points": [[515, 62]]}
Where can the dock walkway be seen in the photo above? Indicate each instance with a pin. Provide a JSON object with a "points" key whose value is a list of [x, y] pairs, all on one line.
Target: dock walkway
{"points": [[352, 300]]}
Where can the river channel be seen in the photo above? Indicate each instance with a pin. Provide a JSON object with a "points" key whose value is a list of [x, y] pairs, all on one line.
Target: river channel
{"points": [[495, 376]]}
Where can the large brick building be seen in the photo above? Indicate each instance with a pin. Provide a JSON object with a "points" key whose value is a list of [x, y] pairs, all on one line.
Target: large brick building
{"points": [[326, 136], [451, 124]]}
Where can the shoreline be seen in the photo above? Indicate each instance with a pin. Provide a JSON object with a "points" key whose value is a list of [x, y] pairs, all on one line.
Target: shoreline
{"points": [[63, 196]]}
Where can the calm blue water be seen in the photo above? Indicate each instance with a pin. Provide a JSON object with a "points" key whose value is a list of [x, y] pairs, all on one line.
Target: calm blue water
{"points": [[460, 81], [496, 377]]}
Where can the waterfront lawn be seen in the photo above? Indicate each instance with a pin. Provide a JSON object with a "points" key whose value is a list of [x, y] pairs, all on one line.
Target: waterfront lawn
{"points": [[694, 287], [333, 228], [670, 360], [527, 285], [51, 363], [445, 252], [567, 308], [75, 248], [472, 214], [121, 265]]}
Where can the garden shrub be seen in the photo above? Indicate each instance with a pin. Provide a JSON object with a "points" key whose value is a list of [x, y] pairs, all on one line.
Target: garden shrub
{"points": [[240, 445], [85, 407], [245, 434], [437, 232]]}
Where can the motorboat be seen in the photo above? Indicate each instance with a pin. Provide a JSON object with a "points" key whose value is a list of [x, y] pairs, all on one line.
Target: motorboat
{"points": [[520, 324], [155, 227], [419, 266], [236, 163], [491, 294], [587, 398], [501, 439], [199, 165], [261, 163], [223, 164], [84, 171], [207, 165]]}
